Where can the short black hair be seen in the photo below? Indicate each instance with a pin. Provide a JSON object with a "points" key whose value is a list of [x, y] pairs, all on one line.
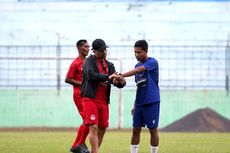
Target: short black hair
{"points": [[142, 44], [81, 42]]}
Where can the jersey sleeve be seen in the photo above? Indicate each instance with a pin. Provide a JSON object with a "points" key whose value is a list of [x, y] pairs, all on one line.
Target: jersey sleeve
{"points": [[72, 70], [150, 64]]}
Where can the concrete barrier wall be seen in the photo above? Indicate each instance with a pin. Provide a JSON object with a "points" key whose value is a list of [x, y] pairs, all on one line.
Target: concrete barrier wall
{"points": [[43, 108]]}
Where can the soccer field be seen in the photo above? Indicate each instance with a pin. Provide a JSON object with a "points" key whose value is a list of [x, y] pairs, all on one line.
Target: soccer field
{"points": [[114, 142]]}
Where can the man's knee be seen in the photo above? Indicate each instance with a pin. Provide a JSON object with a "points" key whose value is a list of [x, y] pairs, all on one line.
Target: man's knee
{"points": [[93, 129], [153, 131], [136, 131]]}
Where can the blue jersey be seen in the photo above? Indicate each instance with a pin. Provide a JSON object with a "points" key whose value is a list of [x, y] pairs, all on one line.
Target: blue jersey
{"points": [[147, 83]]}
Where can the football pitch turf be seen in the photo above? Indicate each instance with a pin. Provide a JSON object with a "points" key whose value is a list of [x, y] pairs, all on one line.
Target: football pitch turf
{"points": [[114, 142]]}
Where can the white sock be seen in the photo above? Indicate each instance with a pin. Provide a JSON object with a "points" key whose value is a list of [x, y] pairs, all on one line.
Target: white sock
{"points": [[134, 148], [153, 149]]}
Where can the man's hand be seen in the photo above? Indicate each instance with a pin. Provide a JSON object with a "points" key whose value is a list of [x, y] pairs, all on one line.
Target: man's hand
{"points": [[119, 81], [112, 76], [115, 81]]}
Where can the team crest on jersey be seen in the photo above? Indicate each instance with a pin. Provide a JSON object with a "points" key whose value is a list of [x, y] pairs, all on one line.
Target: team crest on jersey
{"points": [[92, 117]]}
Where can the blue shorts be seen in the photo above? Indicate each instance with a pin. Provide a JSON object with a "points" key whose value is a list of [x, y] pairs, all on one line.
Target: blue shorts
{"points": [[147, 115]]}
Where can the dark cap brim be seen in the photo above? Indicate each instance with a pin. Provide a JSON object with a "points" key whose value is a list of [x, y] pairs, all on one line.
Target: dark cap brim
{"points": [[100, 48]]}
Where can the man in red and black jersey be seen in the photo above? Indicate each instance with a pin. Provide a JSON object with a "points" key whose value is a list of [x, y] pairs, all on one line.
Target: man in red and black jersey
{"points": [[98, 75]]}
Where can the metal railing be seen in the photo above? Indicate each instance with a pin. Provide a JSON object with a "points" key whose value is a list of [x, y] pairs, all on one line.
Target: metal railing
{"points": [[181, 67]]}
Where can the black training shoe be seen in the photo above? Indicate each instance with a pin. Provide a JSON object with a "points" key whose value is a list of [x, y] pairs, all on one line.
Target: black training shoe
{"points": [[83, 148], [75, 149]]}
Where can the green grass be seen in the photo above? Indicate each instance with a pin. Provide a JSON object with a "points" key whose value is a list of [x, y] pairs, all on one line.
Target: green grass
{"points": [[114, 142]]}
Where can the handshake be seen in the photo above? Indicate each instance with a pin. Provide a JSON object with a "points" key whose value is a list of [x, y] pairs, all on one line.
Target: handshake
{"points": [[117, 80]]}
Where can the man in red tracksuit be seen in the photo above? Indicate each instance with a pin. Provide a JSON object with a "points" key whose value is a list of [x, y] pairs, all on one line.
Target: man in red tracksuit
{"points": [[74, 77]]}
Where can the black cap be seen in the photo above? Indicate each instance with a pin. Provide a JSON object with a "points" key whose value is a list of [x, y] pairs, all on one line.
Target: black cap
{"points": [[98, 44]]}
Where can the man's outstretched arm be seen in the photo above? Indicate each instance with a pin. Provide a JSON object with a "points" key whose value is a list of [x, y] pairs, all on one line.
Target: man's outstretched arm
{"points": [[133, 71]]}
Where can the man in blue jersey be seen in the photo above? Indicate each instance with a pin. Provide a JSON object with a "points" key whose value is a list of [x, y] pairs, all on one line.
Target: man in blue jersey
{"points": [[147, 103]]}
